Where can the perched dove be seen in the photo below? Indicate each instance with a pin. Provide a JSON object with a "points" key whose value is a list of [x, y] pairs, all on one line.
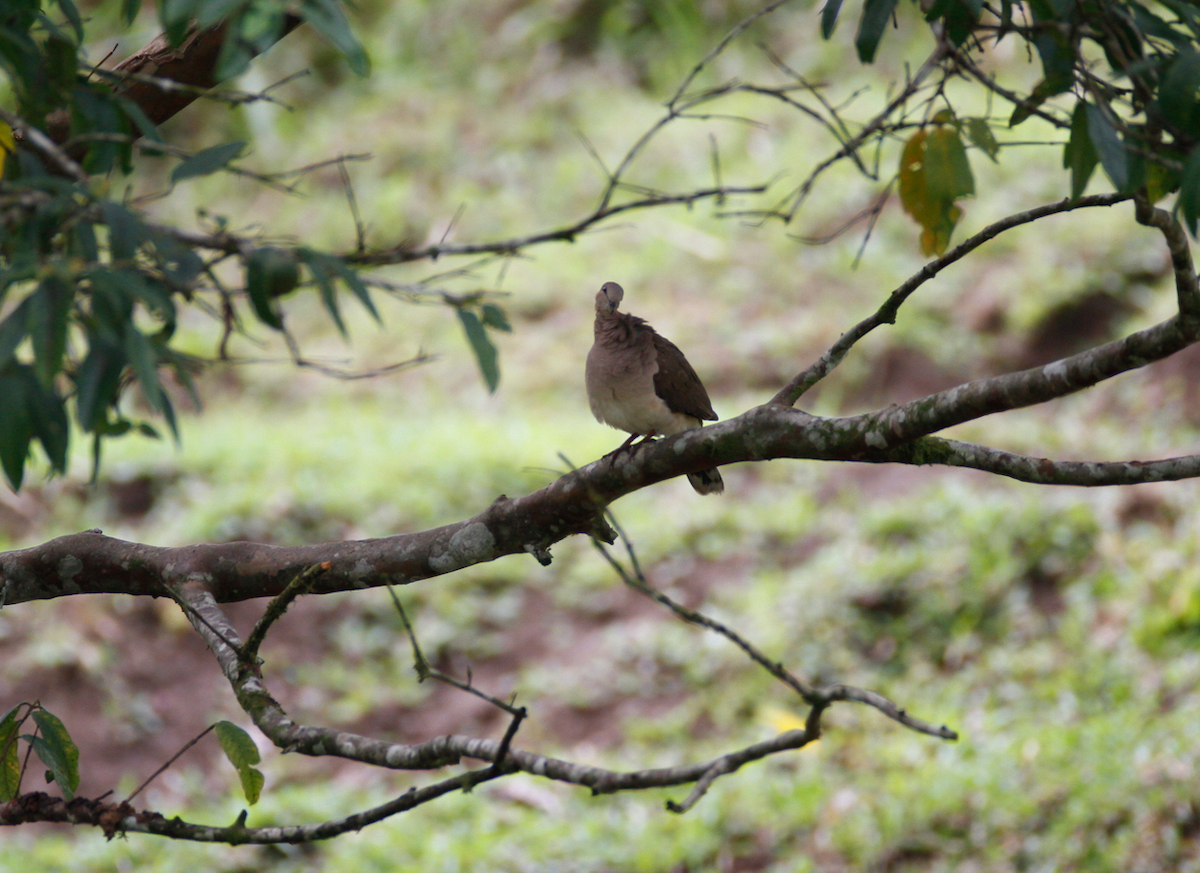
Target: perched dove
{"points": [[639, 382]]}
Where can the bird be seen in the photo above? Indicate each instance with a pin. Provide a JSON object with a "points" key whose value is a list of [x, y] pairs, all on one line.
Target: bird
{"points": [[640, 382]]}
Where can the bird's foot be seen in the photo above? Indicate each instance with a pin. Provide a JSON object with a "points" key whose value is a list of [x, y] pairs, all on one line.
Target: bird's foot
{"points": [[630, 444]]}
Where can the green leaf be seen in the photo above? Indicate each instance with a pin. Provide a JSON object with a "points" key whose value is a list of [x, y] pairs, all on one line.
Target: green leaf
{"points": [[125, 231], [829, 16], [1178, 92], [979, 132], [72, 16], [83, 242], [129, 10], [254, 30], [485, 352], [355, 284], [209, 12], [1042, 92], [49, 315], [98, 382], [12, 330], [239, 748], [924, 193], [946, 166], [1079, 155], [318, 268], [1160, 181], [10, 762], [327, 18], [57, 751], [1189, 190], [140, 120], [265, 282], [95, 110], [50, 425], [143, 360], [875, 17], [958, 16], [179, 262], [16, 430], [493, 316], [207, 161], [1109, 147]]}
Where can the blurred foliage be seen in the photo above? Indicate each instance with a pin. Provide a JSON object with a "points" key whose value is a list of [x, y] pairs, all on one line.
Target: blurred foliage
{"points": [[1055, 628], [92, 287]]}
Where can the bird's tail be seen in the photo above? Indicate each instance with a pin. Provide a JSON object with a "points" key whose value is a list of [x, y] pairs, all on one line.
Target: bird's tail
{"points": [[707, 481]]}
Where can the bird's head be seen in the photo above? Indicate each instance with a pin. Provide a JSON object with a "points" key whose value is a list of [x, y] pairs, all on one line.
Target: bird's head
{"points": [[609, 297]]}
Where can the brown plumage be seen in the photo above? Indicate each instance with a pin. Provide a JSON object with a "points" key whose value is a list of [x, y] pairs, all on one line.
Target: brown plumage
{"points": [[639, 382]]}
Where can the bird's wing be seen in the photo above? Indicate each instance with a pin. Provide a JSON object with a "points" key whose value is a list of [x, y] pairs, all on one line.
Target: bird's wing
{"points": [[677, 383]]}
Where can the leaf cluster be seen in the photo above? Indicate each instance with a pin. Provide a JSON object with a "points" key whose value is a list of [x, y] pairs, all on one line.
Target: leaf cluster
{"points": [[1122, 79], [90, 290]]}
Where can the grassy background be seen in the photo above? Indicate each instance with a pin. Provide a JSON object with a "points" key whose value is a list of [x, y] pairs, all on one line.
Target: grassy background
{"points": [[1056, 629]]}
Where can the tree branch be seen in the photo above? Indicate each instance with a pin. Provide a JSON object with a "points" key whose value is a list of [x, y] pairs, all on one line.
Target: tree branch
{"points": [[1044, 471], [886, 314]]}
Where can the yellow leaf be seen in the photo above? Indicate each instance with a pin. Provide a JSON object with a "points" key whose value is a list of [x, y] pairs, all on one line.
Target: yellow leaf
{"points": [[781, 720]]}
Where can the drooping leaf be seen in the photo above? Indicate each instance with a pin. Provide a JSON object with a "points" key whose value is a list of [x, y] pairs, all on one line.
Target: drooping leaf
{"points": [[874, 21], [209, 12], [239, 748], [327, 18], [1160, 181], [934, 172], [250, 32], [959, 17], [207, 161], [10, 762], [13, 329], [50, 426], [141, 121], [270, 273], [493, 316], [979, 132], [481, 345], [947, 170], [1113, 156], [1189, 190], [1179, 92], [829, 15], [178, 261], [98, 382], [96, 111], [125, 231], [16, 430], [1041, 92], [57, 751], [355, 284], [1079, 155], [73, 18], [322, 273], [49, 315], [143, 360]]}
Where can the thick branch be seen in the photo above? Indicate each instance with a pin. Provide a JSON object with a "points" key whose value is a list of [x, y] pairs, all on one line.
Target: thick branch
{"points": [[191, 64], [1044, 471], [886, 314], [92, 563], [901, 424]]}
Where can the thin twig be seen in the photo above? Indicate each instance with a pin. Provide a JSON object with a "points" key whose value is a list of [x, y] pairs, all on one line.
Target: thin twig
{"points": [[425, 670], [301, 584], [169, 762]]}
